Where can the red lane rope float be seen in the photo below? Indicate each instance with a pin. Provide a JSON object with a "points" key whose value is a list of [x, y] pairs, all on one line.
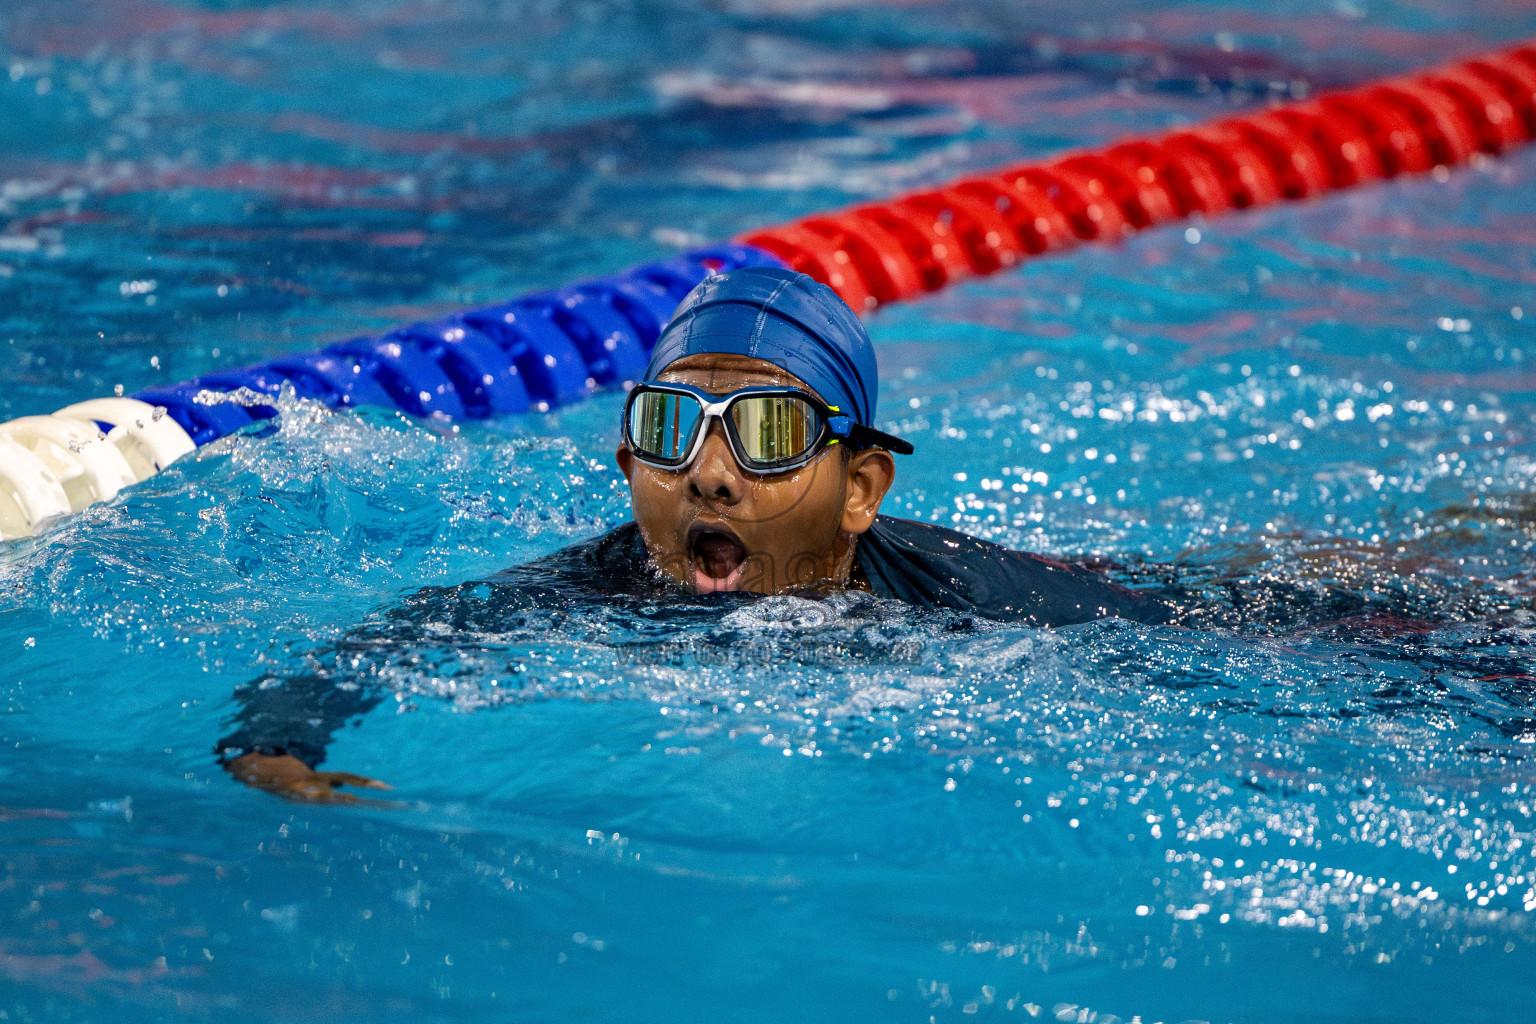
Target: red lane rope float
{"points": [[877, 253]]}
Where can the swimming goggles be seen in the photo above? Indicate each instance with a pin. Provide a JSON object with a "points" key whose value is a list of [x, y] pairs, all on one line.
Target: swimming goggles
{"points": [[770, 429]]}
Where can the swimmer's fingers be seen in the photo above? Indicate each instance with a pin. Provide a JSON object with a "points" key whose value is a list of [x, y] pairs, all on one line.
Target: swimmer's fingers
{"points": [[348, 779], [323, 790]]}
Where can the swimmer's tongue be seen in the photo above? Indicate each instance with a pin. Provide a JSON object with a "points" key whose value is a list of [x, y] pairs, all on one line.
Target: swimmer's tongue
{"points": [[718, 555]]}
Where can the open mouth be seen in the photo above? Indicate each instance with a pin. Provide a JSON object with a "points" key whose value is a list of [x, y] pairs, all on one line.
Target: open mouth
{"points": [[717, 557]]}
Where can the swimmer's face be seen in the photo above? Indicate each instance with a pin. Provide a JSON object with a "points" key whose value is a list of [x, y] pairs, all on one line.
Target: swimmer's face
{"points": [[713, 526]]}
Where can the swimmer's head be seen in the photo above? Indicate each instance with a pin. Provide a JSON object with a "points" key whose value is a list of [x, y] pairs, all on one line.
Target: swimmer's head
{"points": [[772, 493]]}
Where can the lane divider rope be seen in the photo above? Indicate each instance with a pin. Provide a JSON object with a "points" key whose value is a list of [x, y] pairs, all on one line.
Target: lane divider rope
{"points": [[553, 348]]}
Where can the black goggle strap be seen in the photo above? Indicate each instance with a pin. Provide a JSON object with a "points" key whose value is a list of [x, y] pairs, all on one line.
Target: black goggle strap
{"points": [[860, 436]]}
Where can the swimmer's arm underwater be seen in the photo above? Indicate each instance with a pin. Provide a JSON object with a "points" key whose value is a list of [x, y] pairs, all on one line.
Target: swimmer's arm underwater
{"points": [[281, 733], [283, 724]]}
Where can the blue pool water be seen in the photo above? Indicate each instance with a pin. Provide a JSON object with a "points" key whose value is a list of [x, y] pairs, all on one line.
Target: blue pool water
{"points": [[1314, 803]]}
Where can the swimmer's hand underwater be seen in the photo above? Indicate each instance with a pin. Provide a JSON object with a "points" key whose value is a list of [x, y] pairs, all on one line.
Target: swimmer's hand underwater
{"points": [[286, 776]]}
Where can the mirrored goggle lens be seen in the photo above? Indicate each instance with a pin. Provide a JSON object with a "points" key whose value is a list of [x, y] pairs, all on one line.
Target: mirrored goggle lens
{"points": [[775, 428], [661, 424]]}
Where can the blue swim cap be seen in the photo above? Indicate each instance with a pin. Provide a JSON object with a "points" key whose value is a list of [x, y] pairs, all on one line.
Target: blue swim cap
{"points": [[783, 318]]}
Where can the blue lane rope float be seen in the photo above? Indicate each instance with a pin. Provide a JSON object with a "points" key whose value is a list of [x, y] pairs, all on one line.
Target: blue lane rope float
{"points": [[538, 352], [553, 348]]}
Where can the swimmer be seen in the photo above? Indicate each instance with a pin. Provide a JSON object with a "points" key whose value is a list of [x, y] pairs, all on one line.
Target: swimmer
{"points": [[754, 466]]}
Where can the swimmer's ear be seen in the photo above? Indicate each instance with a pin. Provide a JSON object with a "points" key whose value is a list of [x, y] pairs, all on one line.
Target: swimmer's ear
{"points": [[870, 474], [626, 460]]}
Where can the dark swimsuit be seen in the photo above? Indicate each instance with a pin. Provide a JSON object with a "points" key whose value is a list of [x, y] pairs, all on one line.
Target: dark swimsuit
{"points": [[927, 566]]}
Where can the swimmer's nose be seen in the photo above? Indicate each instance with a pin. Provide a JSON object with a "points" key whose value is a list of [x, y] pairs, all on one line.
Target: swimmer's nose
{"points": [[714, 475]]}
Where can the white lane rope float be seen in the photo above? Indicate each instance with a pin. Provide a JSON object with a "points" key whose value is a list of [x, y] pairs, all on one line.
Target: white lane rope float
{"points": [[51, 466]]}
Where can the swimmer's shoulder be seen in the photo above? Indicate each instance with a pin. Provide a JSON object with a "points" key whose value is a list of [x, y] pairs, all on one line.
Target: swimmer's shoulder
{"points": [[930, 540], [933, 566]]}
